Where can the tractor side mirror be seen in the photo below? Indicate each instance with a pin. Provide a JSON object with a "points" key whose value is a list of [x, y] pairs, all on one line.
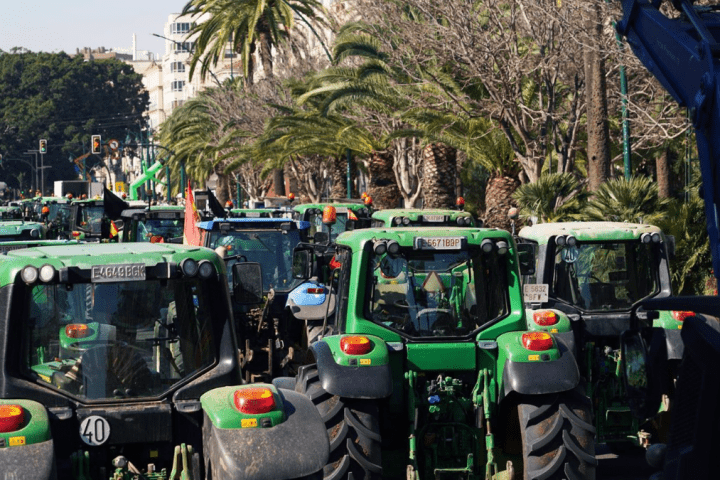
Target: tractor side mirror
{"points": [[641, 392], [302, 264], [321, 237], [247, 283], [526, 258], [670, 245]]}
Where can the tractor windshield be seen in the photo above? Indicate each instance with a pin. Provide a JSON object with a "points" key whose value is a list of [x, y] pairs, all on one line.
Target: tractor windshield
{"points": [[437, 294], [605, 275], [341, 225], [101, 341], [272, 249], [91, 218], [154, 229]]}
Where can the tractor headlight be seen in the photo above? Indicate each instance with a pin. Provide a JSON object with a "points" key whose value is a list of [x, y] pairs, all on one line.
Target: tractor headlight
{"points": [[189, 267], [29, 274], [47, 273]]}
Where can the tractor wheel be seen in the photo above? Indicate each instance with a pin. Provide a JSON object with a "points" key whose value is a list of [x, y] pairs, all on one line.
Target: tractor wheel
{"points": [[353, 427], [558, 438]]}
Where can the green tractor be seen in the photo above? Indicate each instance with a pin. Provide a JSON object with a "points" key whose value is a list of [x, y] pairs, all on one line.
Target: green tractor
{"points": [[588, 280], [416, 217], [119, 362], [21, 230], [428, 370], [348, 216], [155, 224]]}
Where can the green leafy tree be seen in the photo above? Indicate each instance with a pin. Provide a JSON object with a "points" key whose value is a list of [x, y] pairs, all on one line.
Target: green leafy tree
{"points": [[635, 200], [64, 100], [555, 197]]}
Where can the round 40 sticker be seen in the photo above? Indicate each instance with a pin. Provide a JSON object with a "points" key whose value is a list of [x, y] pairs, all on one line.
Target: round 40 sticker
{"points": [[94, 430]]}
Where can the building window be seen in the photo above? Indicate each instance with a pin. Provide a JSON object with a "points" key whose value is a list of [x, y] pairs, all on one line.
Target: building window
{"points": [[183, 47], [229, 53], [177, 67], [180, 28], [178, 85], [177, 103]]}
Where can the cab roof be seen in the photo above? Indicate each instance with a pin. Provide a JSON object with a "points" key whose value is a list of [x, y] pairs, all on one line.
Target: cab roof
{"points": [[354, 206], [587, 231], [405, 236], [416, 214], [83, 256], [215, 223]]}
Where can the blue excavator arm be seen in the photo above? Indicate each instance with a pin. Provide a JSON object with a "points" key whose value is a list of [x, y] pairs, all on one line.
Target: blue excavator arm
{"points": [[684, 55]]}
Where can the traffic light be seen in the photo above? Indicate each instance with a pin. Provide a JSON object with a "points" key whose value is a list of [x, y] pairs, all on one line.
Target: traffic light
{"points": [[95, 144], [43, 146]]}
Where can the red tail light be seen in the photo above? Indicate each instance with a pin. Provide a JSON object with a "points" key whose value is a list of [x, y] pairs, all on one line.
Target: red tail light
{"points": [[680, 315], [77, 330], [254, 400], [75, 234], [329, 215], [355, 345], [545, 318], [11, 418], [316, 290], [537, 341]]}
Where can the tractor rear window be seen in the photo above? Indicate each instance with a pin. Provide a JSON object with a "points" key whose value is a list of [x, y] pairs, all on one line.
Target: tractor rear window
{"points": [[155, 229], [437, 294], [272, 249], [101, 341], [606, 276]]}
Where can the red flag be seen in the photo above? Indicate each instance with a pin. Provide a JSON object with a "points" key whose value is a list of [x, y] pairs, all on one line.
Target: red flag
{"points": [[191, 233]]}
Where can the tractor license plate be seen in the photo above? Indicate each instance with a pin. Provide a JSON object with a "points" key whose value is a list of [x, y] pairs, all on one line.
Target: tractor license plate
{"points": [[438, 243], [536, 293], [122, 272], [434, 218], [340, 209]]}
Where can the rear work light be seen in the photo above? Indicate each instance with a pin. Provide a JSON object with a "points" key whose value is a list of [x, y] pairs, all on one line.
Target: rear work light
{"points": [[545, 318], [11, 418], [355, 345], [254, 400], [537, 341], [77, 330], [680, 315]]}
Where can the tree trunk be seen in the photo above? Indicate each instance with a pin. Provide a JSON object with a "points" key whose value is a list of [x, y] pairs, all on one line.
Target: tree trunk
{"points": [[278, 182], [382, 187], [598, 149], [338, 177], [223, 188], [265, 52], [662, 165], [498, 201], [440, 173]]}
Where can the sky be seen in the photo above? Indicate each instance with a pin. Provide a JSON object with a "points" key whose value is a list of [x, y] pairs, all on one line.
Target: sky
{"points": [[66, 25]]}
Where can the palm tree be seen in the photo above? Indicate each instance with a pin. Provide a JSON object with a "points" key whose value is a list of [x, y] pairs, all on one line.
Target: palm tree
{"points": [[635, 200], [247, 24], [555, 197]]}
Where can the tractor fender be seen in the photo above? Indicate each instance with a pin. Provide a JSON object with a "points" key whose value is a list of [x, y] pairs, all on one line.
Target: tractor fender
{"points": [[536, 378], [36, 461], [28, 452], [353, 381], [297, 447]]}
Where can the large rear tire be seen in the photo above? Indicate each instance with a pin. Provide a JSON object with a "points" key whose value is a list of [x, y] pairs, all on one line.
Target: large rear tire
{"points": [[558, 438], [353, 427]]}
